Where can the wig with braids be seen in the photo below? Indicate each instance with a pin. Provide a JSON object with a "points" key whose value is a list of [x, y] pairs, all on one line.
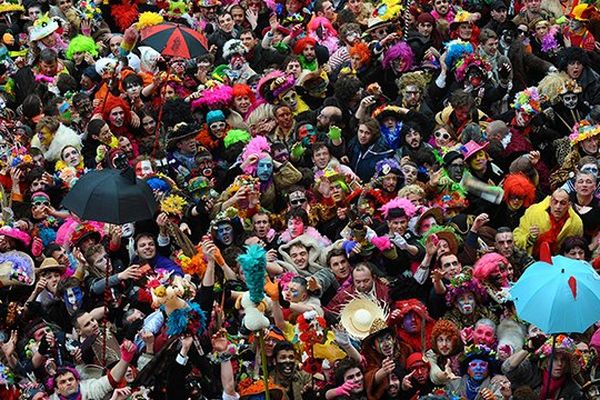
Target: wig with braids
{"points": [[517, 184], [448, 328], [400, 50]]}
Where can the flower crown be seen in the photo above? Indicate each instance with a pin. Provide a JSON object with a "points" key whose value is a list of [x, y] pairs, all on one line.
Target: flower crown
{"points": [[468, 61], [528, 101], [463, 283], [583, 130], [477, 350]]}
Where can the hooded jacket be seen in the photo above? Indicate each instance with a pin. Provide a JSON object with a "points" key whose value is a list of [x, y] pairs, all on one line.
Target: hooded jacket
{"points": [[363, 161]]}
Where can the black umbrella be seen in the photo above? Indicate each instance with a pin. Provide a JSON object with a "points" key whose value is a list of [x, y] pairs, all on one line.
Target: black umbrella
{"points": [[111, 195]]}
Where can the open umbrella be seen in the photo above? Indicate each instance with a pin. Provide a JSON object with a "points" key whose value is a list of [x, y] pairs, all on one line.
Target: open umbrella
{"points": [[111, 195], [558, 297], [175, 40]]}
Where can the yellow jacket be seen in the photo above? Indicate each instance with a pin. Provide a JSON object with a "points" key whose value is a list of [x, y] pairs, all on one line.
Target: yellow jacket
{"points": [[537, 215]]}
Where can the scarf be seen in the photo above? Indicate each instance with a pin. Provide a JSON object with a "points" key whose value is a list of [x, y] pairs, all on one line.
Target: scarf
{"points": [[74, 396], [309, 65], [551, 235], [552, 390]]}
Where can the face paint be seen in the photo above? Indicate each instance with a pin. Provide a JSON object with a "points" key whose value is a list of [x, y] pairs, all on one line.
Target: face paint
{"points": [[308, 134], [73, 298], [296, 227], [143, 169], [411, 322], [478, 370], [466, 303], [570, 100], [384, 345], [285, 363], [225, 234], [264, 169], [484, 334]]}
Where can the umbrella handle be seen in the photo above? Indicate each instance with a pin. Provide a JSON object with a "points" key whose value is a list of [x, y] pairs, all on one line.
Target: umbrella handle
{"points": [[160, 114]]}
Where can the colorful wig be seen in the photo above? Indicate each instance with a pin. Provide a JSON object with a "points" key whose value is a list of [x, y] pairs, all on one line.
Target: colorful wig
{"points": [[391, 208], [321, 29], [400, 50], [448, 328], [361, 50], [81, 44], [240, 89], [270, 87], [517, 184], [258, 146], [302, 43], [487, 265], [111, 103]]}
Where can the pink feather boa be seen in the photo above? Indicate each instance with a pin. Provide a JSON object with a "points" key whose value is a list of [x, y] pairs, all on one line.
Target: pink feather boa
{"points": [[258, 146], [399, 202]]}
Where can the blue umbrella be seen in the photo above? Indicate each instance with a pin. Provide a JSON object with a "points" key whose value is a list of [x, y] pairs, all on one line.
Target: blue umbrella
{"points": [[558, 297]]}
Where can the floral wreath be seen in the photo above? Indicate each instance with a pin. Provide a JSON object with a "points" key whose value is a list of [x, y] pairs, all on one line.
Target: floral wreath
{"points": [[468, 61], [583, 130], [463, 283], [528, 101]]}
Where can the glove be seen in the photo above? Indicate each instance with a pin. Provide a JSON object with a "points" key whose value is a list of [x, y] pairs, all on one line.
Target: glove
{"points": [[371, 234], [272, 289], [349, 245], [298, 151], [504, 71], [382, 243], [128, 350], [400, 242], [345, 389], [37, 247], [334, 133]]}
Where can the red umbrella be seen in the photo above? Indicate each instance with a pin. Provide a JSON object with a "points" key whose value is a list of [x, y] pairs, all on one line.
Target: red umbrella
{"points": [[175, 40]]}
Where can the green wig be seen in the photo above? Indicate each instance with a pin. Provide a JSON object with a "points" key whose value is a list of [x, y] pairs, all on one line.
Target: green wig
{"points": [[82, 44]]}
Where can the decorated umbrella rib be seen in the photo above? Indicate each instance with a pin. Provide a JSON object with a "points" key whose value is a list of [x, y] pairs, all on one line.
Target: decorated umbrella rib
{"points": [[175, 40]]}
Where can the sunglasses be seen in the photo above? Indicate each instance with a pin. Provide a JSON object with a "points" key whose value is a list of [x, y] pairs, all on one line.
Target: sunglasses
{"points": [[297, 202], [41, 203], [442, 135]]}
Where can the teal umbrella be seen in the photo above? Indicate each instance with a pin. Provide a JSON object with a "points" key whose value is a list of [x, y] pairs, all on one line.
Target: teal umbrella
{"points": [[558, 297]]}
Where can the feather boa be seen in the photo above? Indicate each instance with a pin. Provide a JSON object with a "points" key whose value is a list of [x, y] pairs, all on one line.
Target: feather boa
{"points": [[398, 202], [549, 42], [124, 14], [254, 263], [215, 97], [258, 146], [190, 319]]}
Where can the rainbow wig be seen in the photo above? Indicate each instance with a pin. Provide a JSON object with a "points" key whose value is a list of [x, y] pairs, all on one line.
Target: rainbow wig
{"points": [[81, 44], [402, 51], [517, 184], [487, 265], [398, 207], [258, 146]]}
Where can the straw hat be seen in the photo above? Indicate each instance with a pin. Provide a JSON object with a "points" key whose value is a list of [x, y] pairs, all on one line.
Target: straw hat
{"points": [[362, 317], [50, 264]]}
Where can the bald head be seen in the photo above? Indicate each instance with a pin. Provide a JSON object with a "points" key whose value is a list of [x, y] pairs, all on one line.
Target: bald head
{"points": [[559, 203]]}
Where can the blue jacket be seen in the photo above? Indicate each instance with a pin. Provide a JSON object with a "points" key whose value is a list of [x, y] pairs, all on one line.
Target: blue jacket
{"points": [[363, 161]]}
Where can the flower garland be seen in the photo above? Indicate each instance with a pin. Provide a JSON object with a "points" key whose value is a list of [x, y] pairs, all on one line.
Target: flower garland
{"points": [[528, 101], [311, 329]]}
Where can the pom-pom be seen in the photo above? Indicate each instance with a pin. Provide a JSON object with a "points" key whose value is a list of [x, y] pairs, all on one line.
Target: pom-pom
{"points": [[254, 263], [399, 203], [148, 19]]}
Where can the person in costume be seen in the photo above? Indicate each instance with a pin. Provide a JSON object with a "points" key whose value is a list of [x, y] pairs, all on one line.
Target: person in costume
{"points": [[478, 364], [446, 346], [519, 194], [467, 299], [413, 324]]}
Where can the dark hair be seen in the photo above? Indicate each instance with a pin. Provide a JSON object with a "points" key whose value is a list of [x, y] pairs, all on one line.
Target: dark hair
{"points": [[460, 98], [131, 79], [318, 146], [141, 236], [74, 317], [282, 346], [79, 97], [346, 88], [298, 213], [571, 242], [335, 253], [35, 173], [503, 229], [248, 30], [568, 55], [32, 106], [66, 83], [95, 126], [65, 284], [373, 127], [342, 367], [51, 248], [48, 56]]}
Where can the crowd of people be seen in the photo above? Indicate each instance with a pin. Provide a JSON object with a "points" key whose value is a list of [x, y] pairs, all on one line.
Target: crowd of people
{"points": [[345, 191]]}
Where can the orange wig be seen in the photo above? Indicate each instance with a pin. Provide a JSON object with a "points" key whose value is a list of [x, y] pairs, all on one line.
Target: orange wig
{"points": [[517, 184]]}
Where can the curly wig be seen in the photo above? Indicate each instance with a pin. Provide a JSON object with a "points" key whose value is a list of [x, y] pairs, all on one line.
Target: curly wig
{"points": [[569, 54], [402, 51], [81, 44], [302, 43], [517, 184], [361, 50], [486, 265], [448, 328]]}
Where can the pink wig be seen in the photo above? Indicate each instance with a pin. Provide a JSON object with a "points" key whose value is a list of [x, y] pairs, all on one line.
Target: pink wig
{"points": [[215, 97], [401, 203], [267, 89], [321, 29], [488, 265], [323, 23], [257, 146], [402, 51]]}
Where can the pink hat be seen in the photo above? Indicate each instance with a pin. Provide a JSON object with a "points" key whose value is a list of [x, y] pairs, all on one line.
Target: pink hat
{"points": [[595, 340], [16, 234], [471, 148]]}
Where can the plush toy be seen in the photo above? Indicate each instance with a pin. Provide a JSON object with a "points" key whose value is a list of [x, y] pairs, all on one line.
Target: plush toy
{"points": [[254, 302]]}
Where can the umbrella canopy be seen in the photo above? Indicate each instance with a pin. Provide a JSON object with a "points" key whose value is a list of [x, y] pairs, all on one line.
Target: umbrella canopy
{"points": [[563, 296], [111, 195], [175, 40]]}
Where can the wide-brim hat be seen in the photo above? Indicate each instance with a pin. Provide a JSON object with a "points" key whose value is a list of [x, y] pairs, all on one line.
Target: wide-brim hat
{"points": [[376, 22], [461, 17], [180, 132], [50, 264], [471, 147], [435, 212], [16, 234], [43, 27], [383, 112], [359, 317]]}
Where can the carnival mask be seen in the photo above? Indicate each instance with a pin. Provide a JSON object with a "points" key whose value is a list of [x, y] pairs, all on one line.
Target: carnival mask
{"points": [[570, 100]]}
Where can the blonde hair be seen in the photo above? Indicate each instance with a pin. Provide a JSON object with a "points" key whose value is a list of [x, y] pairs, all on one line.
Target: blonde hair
{"points": [[263, 111], [411, 189]]}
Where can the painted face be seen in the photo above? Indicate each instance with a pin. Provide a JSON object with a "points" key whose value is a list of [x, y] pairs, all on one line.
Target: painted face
{"points": [[237, 62], [442, 138], [590, 146], [411, 96], [449, 266], [285, 363], [484, 334], [337, 192], [427, 224], [421, 372], [410, 174], [559, 204], [575, 25], [466, 303], [217, 128], [570, 100], [505, 244], [143, 169], [225, 234], [133, 90], [478, 370], [291, 100], [411, 322], [117, 117], [444, 344], [308, 134], [264, 169], [71, 156], [297, 199], [441, 6], [296, 227], [456, 169], [73, 299], [515, 202], [294, 68], [384, 344]]}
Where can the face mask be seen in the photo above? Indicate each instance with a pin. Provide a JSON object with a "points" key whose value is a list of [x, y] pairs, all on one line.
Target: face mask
{"points": [[73, 298], [570, 100]]}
